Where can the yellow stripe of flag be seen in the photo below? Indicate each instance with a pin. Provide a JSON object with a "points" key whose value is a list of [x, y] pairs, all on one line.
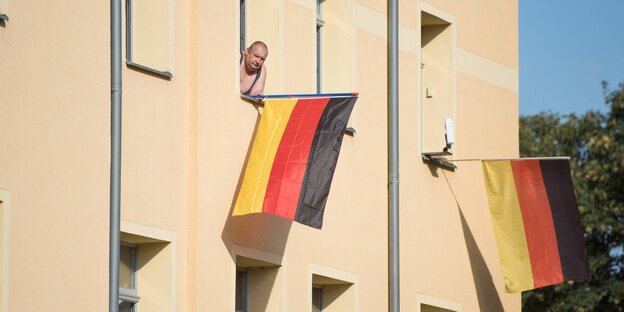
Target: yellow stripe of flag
{"points": [[508, 225], [274, 119]]}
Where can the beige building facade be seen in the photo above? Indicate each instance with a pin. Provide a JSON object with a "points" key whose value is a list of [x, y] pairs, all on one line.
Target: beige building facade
{"points": [[187, 134]]}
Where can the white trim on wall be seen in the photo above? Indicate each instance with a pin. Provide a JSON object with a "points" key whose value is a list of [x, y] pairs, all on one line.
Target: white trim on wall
{"points": [[437, 302]]}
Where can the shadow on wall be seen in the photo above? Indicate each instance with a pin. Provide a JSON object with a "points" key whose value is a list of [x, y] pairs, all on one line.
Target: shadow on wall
{"points": [[433, 169], [332, 293], [260, 290], [486, 290], [264, 232]]}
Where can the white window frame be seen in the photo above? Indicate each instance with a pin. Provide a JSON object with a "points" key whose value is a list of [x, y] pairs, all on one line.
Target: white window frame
{"points": [[436, 302]]}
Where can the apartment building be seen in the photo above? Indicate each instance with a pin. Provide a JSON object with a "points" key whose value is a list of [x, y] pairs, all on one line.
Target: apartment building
{"points": [[186, 137]]}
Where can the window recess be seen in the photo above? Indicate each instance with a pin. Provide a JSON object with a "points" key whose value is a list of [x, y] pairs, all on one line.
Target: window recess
{"points": [[437, 75]]}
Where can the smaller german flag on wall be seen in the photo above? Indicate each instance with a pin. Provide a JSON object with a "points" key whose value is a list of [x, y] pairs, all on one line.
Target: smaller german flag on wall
{"points": [[293, 158], [536, 222]]}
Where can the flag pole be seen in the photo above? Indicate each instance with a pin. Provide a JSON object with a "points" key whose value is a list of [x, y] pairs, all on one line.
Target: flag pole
{"points": [[511, 158], [297, 95]]}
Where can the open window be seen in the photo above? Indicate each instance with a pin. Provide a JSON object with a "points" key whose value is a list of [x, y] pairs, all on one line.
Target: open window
{"points": [[335, 51], [149, 36], [261, 22], [336, 39], [437, 103]]}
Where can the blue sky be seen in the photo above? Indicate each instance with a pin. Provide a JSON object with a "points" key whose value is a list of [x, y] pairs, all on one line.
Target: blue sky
{"points": [[567, 47]]}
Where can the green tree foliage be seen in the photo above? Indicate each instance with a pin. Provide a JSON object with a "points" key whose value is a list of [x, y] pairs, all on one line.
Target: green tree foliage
{"points": [[595, 143]]}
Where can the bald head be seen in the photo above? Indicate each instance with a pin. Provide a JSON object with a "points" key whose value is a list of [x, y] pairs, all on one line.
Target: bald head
{"points": [[255, 56], [260, 44]]}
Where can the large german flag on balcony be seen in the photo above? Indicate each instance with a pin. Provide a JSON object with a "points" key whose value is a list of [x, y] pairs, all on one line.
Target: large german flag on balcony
{"points": [[293, 157], [536, 222]]}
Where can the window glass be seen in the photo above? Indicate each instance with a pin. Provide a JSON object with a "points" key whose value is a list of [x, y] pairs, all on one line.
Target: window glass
{"points": [[241, 291], [317, 299], [127, 277], [126, 307], [149, 33], [127, 266]]}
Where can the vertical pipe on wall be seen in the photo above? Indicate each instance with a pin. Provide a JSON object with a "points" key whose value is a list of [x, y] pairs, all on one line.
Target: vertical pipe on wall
{"points": [[393, 157], [115, 167]]}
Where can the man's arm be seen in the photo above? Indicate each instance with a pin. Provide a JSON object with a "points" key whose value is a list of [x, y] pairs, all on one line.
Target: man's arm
{"points": [[258, 87]]}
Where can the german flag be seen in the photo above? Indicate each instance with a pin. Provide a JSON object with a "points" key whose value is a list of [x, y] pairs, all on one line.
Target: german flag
{"points": [[293, 158], [536, 222]]}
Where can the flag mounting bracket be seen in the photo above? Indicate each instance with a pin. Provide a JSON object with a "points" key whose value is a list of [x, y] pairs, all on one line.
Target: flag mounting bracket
{"points": [[438, 161]]}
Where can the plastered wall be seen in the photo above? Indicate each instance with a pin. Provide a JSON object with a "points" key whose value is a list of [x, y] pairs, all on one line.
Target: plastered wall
{"points": [[186, 141]]}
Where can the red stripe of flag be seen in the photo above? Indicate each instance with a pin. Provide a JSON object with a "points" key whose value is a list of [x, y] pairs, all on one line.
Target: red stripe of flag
{"points": [[291, 159], [538, 223]]}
